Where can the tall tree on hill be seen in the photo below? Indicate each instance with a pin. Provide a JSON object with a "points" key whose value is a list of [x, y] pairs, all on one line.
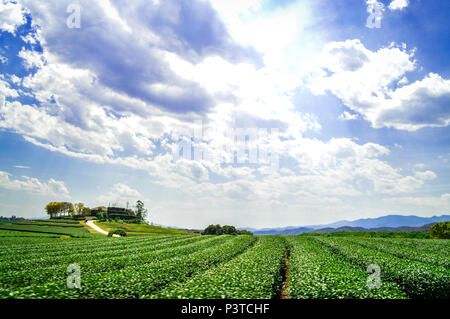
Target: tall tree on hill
{"points": [[79, 207], [141, 212]]}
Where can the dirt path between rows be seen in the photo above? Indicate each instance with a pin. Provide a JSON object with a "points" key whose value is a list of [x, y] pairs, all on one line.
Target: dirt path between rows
{"points": [[90, 223], [284, 288]]}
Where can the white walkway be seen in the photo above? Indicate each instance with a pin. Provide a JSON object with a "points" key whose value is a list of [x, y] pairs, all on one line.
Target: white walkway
{"points": [[91, 224]]}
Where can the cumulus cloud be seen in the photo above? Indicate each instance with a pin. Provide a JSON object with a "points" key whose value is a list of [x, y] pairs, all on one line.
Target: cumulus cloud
{"points": [[166, 26], [81, 112], [346, 116], [11, 16], [119, 194], [440, 202], [33, 185], [364, 81], [398, 4], [121, 88], [426, 175]]}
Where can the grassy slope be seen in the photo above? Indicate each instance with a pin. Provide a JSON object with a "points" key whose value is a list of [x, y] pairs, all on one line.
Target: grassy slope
{"points": [[140, 229], [80, 229], [48, 227]]}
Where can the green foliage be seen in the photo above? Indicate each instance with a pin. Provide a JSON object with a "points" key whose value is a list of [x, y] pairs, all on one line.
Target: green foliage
{"points": [[366, 234], [317, 272], [221, 266], [79, 209], [86, 211], [50, 223], [58, 221], [244, 232], [133, 229], [69, 231], [417, 279], [224, 230], [119, 279], [259, 266], [119, 232], [212, 230], [229, 230], [60, 208], [440, 230], [141, 212], [8, 233], [102, 216]]}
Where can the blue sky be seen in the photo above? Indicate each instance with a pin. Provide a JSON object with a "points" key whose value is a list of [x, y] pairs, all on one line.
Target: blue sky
{"points": [[359, 116]]}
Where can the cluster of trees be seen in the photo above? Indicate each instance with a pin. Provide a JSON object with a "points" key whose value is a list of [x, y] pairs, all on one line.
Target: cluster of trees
{"points": [[224, 230], [66, 209], [440, 230], [56, 209]]}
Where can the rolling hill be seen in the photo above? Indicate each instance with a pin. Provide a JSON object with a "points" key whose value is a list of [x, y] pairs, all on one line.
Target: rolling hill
{"points": [[385, 223]]}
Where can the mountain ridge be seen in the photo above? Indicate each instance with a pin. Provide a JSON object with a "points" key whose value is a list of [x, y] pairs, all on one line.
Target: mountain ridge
{"points": [[388, 221]]}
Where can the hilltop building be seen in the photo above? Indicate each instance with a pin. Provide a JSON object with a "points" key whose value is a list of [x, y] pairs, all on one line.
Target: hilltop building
{"points": [[114, 212]]}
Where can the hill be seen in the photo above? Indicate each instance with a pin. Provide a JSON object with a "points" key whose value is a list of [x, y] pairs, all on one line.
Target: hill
{"points": [[387, 222], [402, 229], [72, 228], [141, 229], [27, 228]]}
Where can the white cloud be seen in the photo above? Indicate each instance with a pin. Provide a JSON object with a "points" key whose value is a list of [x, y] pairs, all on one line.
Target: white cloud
{"points": [[119, 195], [11, 16], [426, 175], [33, 185], [398, 4], [98, 109], [7, 91], [31, 59], [440, 202], [403, 81], [346, 116], [21, 166], [363, 80]]}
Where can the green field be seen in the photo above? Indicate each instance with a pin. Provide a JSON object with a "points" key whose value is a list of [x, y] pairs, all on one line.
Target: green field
{"points": [[50, 228], [79, 229], [224, 267], [140, 229]]}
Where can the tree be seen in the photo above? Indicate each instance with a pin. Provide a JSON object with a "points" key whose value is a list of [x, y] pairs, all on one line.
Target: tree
{"points": [[86, 211], [440, 230], [68, 209], [60, 208], [79, 208], [212, 230], [229, 230], [244, 232], [52, 209], [224, 230], [141, 212]]}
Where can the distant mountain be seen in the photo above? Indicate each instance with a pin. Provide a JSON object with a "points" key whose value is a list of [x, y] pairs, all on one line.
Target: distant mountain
{"points": [[386, 222], [392, 221], [282, 231], [424, 228]]}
